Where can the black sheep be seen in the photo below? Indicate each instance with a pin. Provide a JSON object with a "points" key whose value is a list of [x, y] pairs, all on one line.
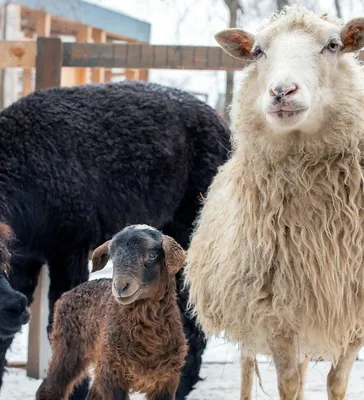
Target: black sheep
{"points": [[13, 311], [78, 164]]}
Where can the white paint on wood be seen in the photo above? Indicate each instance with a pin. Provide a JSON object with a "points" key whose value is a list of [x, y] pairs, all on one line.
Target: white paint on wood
{"points": [[39, 350]]}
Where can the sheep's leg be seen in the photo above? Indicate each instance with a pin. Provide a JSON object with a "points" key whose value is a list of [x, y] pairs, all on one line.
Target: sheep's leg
{"points": [[338, 378], [285, 360], [165, 392], [67, 270], [302, 367], [247, 363]]}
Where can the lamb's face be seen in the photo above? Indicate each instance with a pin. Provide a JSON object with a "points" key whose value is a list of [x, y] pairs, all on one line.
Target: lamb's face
{"points": [[298, 60], [144, 261], [138, 259]]}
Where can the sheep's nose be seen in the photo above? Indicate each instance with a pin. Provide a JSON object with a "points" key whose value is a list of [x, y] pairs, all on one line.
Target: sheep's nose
{"points": [[280, 91], [17, 304]]}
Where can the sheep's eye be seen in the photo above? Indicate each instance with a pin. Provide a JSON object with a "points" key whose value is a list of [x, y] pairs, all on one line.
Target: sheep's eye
{"points": [[258, 52], [152, 256], [333, 45]]}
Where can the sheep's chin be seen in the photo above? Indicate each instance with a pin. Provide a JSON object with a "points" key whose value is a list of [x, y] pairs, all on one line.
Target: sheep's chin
{"points": [[128, 299]]}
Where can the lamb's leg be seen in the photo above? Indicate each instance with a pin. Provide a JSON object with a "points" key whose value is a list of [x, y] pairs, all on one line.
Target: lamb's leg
{"points": [[164, 392], [338, 378], [247, 364], [65, 370], [285, 360], [302, 367], [67, 270], [106, 386]]}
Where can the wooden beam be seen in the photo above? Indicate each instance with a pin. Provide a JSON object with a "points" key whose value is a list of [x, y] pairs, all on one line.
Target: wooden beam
{"points": [[98, 74], [84, 35], [143, 74], [17, 54], [97, 55], [148, 56], [108, 75], [27, 74], [43, 24], [131, 74], [39, 349], [48, 63]]}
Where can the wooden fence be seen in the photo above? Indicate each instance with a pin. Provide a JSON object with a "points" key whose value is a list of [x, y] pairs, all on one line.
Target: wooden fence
{"points": [[48, 55]]}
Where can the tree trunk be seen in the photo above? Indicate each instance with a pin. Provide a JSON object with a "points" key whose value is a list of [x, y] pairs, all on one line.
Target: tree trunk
{"points": [[234, 6], [338, 8], [281, 4]]}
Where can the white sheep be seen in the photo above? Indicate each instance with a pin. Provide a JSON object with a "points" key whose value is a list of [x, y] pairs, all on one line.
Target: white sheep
{"points": [[277, 256]]}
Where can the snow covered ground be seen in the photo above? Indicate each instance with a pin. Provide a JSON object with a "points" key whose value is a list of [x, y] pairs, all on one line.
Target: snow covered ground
{"points": [[220, 369]]}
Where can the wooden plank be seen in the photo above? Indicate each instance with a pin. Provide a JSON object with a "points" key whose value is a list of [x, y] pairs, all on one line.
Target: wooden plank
{"points": [[96, 55], [39, 349], [48, 62], [84, 34], [148, 56], [98, 74], [17, 54], [43, 24]]}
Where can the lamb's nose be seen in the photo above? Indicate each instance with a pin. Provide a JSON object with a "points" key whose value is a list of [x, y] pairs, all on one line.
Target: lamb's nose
{"points": [[123, 288], [280, 91]]}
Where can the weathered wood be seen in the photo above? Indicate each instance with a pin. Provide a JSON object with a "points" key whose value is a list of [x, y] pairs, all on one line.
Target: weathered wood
{"points": [[17, 54], [43, 24], [148, 56], [84, 34], [39, 349], [48, 62], [115, 55], [98, 74]]}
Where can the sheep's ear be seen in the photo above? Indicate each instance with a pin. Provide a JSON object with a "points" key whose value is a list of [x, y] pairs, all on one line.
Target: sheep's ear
{"points": [[352, 35], [174, 255], [100, 257], [236, 42]]}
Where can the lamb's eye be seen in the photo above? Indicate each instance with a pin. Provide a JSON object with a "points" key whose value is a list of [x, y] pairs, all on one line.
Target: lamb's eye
{"points": [[152, 256], [258, 52], [333, 45]]}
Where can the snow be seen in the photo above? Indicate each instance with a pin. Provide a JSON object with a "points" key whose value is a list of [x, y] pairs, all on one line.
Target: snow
{"points": [[220, 370]]}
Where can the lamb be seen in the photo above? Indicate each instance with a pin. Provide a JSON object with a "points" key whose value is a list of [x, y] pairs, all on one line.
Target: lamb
{"points": [[276, 257], [13, 305], [129, 327], [80, 163]]}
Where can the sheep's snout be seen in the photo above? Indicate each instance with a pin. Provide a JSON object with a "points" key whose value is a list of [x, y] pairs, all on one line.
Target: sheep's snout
{"points": [[125, 289]]}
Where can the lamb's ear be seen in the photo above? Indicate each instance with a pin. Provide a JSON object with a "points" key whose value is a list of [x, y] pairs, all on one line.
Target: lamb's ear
{"points": [[174, 255], [100, 257], [236, 42], [352, 35]]}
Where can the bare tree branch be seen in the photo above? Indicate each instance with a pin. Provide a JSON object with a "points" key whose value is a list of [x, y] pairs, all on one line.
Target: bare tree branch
{"points": [[338, 8], [281, 4]]}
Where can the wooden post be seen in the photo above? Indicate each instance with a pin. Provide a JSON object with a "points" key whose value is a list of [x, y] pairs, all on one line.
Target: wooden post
{"points": [[43, 24], [98, 74], [48, 74], [39, 349], [27, 74], [48, 62], [84, 35]]}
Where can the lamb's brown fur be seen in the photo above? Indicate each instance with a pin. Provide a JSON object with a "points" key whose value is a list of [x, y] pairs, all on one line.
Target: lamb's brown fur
{"points": [[6, 238], [134, 347]]}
